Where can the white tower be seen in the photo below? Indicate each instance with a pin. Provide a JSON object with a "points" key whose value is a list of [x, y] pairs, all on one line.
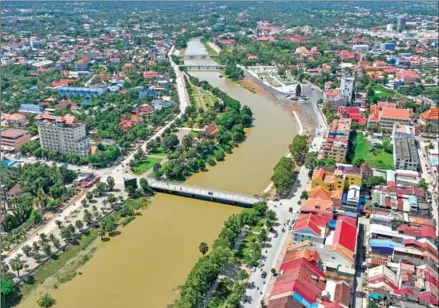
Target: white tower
{"points": [[347, 87]]}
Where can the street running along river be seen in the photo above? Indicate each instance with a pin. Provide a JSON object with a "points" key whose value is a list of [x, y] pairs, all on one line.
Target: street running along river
{"points": [[151, 258]]}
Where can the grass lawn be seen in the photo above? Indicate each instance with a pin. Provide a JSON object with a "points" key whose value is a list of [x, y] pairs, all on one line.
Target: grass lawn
{"points": [[146, 165], [245, 247], [137, 203], [376, 159], [158, 152], [51, 267], [383, 94]]}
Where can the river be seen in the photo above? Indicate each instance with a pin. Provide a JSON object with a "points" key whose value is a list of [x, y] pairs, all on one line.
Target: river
{"points": [[145, 264]]}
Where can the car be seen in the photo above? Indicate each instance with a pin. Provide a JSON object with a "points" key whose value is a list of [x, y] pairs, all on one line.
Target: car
{"points": [[210, 193], [264, 274], [254, 269], [275, 235]]}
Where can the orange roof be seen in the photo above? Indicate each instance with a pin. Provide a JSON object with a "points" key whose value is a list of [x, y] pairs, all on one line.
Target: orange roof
{"points": [[335, 194], [319, 192], [317, 203], [308, 221], [318, 173], [432, 114], [294, 246], [395, 113], [310, 255]]}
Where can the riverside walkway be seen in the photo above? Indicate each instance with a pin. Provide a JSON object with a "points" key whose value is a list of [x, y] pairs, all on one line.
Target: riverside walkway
{"points": [[208, 194]]}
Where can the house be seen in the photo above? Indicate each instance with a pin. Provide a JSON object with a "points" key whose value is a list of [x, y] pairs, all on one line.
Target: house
{"points": [[252, 57], [129, 123], [82, 64], [385, 118], [29, 109], [114, 60], [14, 120], [146, 109], [150, 75], [353, 113], [211, 129], [159, 104], [61, 83], [65, 103], [338, 253], [430, 116], [12, 139], [300, 282], [408, 77], [15, 191], [226, 41], [310, 227]]}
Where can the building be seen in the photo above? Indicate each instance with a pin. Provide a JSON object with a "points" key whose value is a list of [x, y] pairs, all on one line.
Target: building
{"points": [[62, 134], [42, 64], [310, 227], [12, 139], [147, 93], [347, 87], [29, 109], [83, 92], [385, 118], [82, 64], [360, 48], [388, 46], [337, 141], [14, 120], [401, 23], [405, 152], [430, 116]]}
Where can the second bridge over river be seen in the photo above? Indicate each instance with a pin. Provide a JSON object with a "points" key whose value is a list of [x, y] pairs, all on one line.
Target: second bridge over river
{"points": [[208, 194]]}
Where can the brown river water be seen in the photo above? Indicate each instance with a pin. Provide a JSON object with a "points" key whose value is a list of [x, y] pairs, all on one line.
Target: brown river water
{"points": [[150, 259]]}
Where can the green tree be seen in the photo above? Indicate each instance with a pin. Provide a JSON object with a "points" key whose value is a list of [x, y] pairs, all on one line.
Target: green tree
{"points": [[108, 224], [10, 293], [358, 161], [110, 183], [144, 186], [47, 249], [203, 248], [304, 195], [46, 301], [101, 233], [27, 250], [299, 147], [89, 195], [79, 224], [423, 185], [36, 248], [17, 264], [373, 181], [88, 217]]}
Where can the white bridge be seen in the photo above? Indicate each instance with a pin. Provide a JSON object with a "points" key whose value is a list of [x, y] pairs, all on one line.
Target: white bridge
{"points": [[200, 56], [202, 67], [197, 192]]}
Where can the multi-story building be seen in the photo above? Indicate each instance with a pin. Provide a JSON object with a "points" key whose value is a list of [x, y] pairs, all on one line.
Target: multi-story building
{"points": [[62, 134], [12, 139], [336, 144], [83, 92], [385, 118], [402, 20], [347, 87], [405, 152]]}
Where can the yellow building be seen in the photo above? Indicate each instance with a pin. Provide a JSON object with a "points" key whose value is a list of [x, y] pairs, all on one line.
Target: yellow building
{"points": [[336, 179]]}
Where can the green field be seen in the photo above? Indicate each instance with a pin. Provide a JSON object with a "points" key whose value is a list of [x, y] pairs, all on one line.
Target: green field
{"points": [[51, 267], [158, 152], [376, 159], [145, 165]]}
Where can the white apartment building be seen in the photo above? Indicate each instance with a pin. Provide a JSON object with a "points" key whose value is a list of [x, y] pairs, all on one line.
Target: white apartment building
{"points": [[62, 134], [405, 152], [347, 87]]}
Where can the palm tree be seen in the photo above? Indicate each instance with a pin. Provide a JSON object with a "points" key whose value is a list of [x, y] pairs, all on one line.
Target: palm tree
{"points": [[79, 224], [46, 301], [58, 223], [101, 233], [36, 248], [17, 264], [43, 237], [47, 249], [27, 250], [88, 217], [204, 248], [84, 202]]}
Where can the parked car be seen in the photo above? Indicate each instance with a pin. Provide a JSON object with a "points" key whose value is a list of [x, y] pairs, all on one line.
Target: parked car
{"points": [[264, 274]]}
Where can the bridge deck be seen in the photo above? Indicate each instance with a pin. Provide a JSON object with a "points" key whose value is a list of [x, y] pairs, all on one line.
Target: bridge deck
{"points": [[204, 193]]}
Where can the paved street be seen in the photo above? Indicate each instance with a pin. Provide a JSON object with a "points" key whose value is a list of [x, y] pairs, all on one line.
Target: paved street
{"points": [[76, 211], [261, 287]]}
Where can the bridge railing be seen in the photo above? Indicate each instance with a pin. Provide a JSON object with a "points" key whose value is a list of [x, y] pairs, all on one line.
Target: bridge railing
{"points": [[173, 186]]}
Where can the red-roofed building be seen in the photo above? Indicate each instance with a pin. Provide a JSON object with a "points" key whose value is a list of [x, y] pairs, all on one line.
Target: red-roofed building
{"points": [[266, 39], [346, 235], [212, 129], [252, 57], [298, 280], [146, 109], [430, 116], [386, 117], [409, 77], [150, 75], [309, 227], [62, 83], [352, 113], [419, 232], [64, 103], [226, 41]]}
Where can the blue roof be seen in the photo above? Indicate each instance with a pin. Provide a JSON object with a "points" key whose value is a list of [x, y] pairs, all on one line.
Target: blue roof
{"points": [[30, 108], [332, 224], [351, 214], [384, 243]]}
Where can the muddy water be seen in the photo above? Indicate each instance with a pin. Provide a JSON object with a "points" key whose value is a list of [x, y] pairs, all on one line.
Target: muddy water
{"points": [[145, 264]]}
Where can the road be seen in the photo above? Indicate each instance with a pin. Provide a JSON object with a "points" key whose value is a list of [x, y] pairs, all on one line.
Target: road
{"points": [[431, 178], [76, 210], [271, 258]]}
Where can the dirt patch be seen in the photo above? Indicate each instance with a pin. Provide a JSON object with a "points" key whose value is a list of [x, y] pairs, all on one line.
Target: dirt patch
{"points": [[252, 86]]}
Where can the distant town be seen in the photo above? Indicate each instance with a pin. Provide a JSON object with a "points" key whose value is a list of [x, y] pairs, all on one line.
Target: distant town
{"points": [[109, 110]]}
